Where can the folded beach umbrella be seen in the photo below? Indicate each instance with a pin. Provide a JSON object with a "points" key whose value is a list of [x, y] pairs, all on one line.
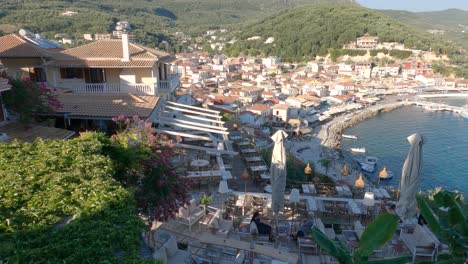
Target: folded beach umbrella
{"points": [[278, 171], [409, 182]]}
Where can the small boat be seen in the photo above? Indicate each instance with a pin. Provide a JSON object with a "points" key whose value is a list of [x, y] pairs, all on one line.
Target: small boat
{"points": [[384, 174], [371, 160], [367, 167], [349, 136], [358, 150]]}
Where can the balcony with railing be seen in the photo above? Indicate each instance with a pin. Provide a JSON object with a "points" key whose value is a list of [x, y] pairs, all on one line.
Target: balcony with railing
{"points": [[133, 88], [169, 85]]}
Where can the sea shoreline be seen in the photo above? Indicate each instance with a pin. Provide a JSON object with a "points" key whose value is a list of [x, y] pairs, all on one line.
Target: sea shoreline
{"points": [[326, 143]]}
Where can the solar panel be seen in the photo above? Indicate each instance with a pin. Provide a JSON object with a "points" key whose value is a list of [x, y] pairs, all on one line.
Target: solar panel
{"points": [[43, 43]]}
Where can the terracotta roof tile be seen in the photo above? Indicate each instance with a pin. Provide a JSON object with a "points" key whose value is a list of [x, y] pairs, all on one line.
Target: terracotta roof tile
{"points": [[102, 63], [107, 105], [259, 107], [280, 106], [19, 131], [108, 53]]}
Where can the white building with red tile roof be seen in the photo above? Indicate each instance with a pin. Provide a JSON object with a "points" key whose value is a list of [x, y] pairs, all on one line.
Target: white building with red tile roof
{"points": [[114, 66]]}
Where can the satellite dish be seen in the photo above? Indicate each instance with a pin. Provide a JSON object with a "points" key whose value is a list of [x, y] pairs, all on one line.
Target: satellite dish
{"points": [[23, 32], [26, 33]]}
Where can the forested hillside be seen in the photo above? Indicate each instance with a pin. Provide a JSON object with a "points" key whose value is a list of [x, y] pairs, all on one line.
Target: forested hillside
{"points": [[151, 20], [454, 22], [302, 33]]}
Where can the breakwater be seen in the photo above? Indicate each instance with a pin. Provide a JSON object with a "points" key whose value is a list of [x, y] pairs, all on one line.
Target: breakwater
{"points": [[333, 140]]}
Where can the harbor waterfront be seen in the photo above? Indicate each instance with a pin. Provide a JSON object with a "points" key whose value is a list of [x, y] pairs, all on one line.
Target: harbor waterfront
{"points": [[445, 162]]}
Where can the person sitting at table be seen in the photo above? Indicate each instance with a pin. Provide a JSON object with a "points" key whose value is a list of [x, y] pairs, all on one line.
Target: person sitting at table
{"points": [[303, 229], [391, 209], [263, 229]]}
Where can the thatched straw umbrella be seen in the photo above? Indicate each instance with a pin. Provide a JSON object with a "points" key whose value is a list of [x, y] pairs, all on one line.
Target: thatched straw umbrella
{"points": [[344, 170], [359, 184]]}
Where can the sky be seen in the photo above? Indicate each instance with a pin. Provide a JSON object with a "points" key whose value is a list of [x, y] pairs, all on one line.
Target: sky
{"points": [[415, 5]]}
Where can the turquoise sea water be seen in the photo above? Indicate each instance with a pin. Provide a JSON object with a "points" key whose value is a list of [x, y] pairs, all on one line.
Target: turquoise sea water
{"points": [[445, 154]]}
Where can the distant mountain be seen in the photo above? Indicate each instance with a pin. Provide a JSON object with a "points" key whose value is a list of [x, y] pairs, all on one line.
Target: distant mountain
{"points": [[453, 21], [304, 32], [151, 19]]}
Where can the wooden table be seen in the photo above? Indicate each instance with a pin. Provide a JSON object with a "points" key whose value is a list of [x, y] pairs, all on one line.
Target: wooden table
{"points": [[249, 150], [253, 159], [265, 176], [259, 168], [308, 188], [242, 245], [244, 143], [199, 163]]}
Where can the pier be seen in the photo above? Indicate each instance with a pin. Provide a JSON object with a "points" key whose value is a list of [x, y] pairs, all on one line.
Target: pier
{"points": [[431, 106], [443, 95]]}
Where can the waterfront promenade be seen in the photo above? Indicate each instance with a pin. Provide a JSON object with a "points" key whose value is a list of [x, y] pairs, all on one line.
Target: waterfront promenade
{"points": [[326, 141]]}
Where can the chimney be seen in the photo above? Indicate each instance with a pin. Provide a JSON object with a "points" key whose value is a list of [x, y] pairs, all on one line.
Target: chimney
{"points": [[125, 47]]}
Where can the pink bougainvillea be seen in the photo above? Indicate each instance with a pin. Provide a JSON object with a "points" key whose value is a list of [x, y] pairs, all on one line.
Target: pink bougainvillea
{"points": [[27, 98], [143, 158]]}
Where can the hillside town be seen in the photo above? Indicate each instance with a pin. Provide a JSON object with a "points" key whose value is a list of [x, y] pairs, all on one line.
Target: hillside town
{"points": [[226, 113]]}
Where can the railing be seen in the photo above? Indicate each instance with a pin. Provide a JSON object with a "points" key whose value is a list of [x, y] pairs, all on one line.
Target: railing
{"points": [[169, 85], [134, 88]]}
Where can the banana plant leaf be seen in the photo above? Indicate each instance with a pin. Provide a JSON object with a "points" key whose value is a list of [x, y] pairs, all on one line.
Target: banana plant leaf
{"points": [[377, 233], [397, 260], [336, 250], [455, 213], [430, 217]]}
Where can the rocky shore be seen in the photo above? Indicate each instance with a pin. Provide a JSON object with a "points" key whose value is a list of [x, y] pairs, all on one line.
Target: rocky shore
{"points": [[333, 140]]}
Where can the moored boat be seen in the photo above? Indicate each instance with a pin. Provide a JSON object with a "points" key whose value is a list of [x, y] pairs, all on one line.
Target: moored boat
{"points": [[349, 136], [367, 167], [368, 163], [358, 150], [371, 160]]}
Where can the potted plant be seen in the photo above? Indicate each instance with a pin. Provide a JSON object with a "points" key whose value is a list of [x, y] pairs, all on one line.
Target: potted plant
{"points": [[205, 200]]}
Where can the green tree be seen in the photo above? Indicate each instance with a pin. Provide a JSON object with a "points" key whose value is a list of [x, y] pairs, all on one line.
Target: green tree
{"points": [[60, 203], [227, 117]]}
